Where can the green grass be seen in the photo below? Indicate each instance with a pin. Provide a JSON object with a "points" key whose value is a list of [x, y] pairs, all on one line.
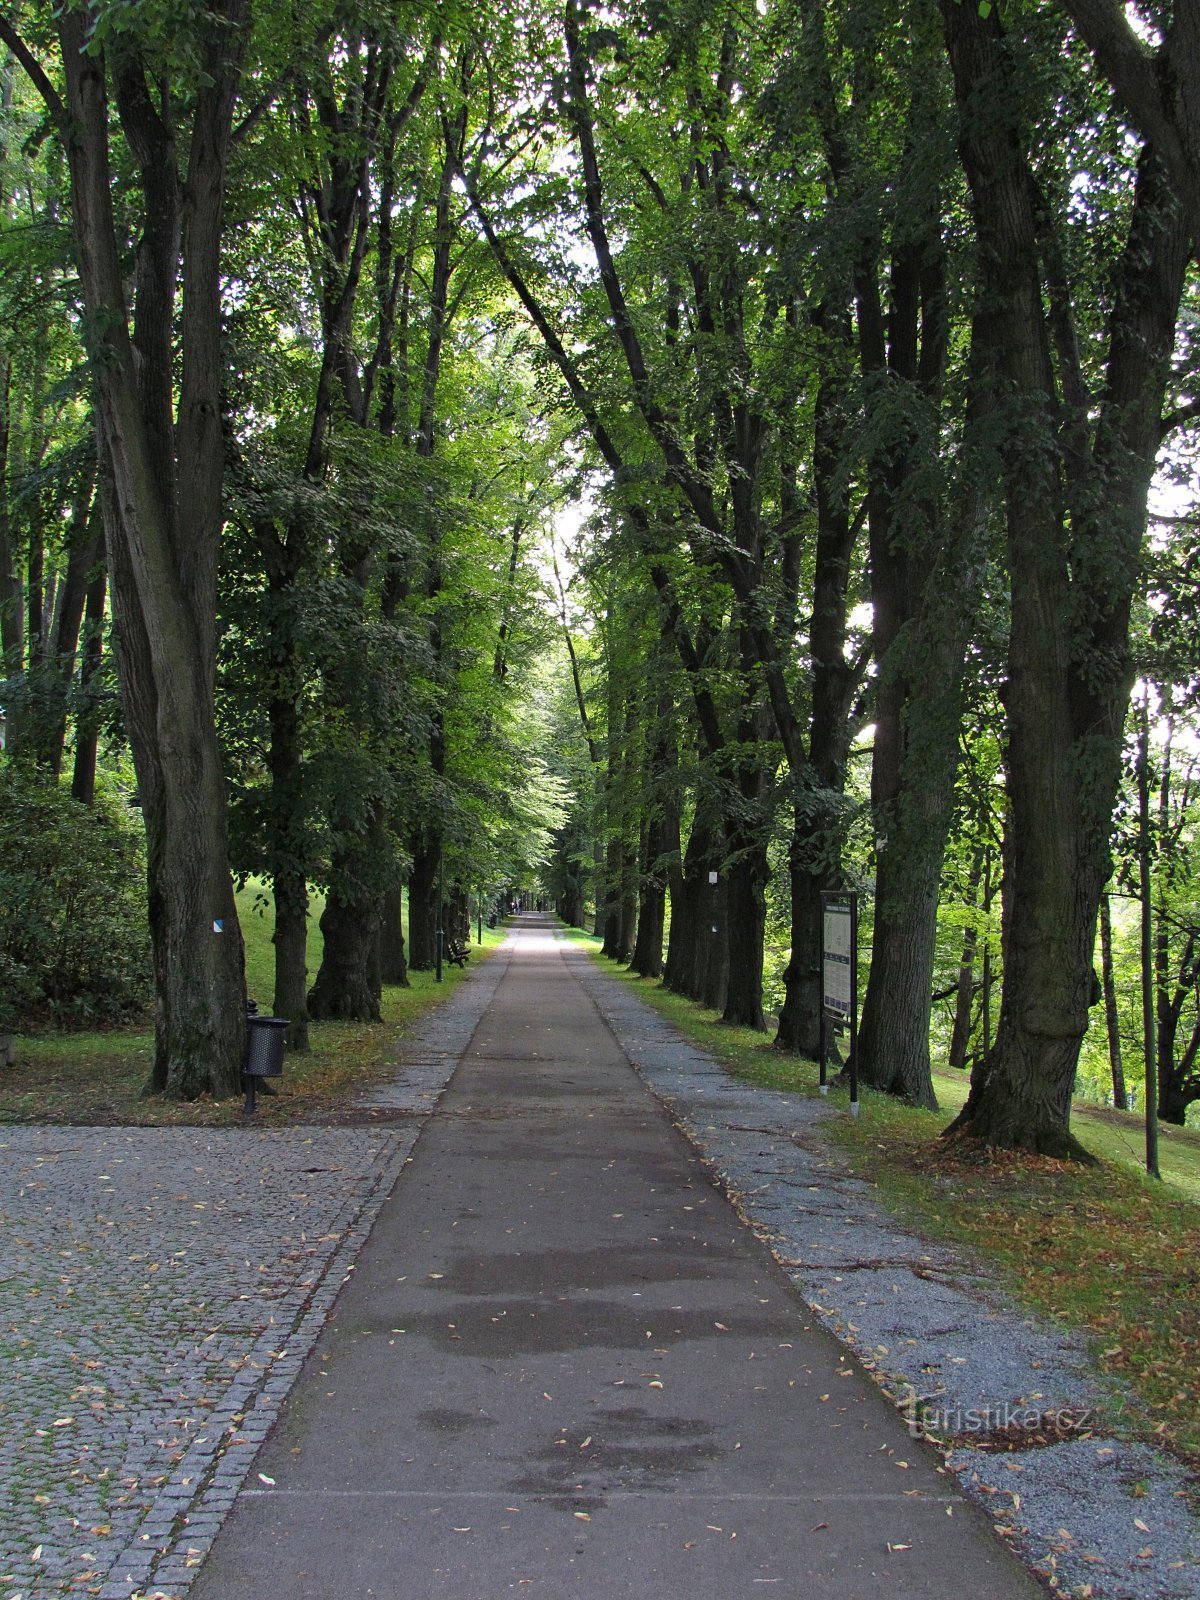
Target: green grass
{"points": [[1102, 1249], [98, 1077]]}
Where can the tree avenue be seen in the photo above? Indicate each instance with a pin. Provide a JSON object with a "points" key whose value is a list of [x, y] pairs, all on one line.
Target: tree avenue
{"points": [[669, 460]]}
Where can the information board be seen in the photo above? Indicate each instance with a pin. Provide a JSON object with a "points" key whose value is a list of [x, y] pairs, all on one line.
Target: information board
{"points": [[839, 983], [837, 961]]}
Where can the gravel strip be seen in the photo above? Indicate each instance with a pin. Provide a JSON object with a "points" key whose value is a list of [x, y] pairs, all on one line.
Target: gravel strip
{"points": [[160, 1289], [1092, 1515]]}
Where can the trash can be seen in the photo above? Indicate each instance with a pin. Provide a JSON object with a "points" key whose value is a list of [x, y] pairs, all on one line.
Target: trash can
{"points": [[264, 1047], [264, 1053]]}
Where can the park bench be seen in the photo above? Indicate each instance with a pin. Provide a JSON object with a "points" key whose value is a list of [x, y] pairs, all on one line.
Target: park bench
{"points": [[456, 954]]}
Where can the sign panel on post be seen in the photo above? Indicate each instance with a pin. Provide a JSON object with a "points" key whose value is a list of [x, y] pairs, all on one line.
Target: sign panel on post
{"points": [[837, 958], [839, 981]]}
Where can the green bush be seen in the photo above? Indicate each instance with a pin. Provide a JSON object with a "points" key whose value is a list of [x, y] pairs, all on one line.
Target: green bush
{"points": [[74, 944]]}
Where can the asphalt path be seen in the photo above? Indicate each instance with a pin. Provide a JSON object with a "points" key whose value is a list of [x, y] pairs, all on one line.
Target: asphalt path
{"points": [[564, 1367]]}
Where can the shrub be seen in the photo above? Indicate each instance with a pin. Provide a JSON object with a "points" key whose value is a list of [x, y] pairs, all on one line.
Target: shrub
{"points": [[74, 944]]}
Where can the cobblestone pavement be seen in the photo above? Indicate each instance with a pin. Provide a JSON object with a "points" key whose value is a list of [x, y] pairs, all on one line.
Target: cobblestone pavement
{"points": [[159, 1291]]}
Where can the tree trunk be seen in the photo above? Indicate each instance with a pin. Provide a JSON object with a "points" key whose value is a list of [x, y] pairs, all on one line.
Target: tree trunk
{"points": [[894, 1031], [647, 959], [691, 913], [1071, 582], [423, 903], [58, 665], [714, 941], [614, 873], [1108, 981], [347, 988], [746, 918], [287, 856], [291, 951], [87, 719], [458, 914], [599, 921], [393, 964], [964, 991], [658, 842], [161, 472]]}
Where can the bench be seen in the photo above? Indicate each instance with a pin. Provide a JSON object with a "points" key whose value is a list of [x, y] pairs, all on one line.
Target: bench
{"points": [[456, 954]]}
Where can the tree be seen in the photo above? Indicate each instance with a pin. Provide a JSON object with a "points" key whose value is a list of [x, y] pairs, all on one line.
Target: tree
{"points": [[161, 460], [1078, 449]]}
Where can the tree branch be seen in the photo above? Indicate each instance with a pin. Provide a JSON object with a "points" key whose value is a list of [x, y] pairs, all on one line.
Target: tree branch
{"points": [[35, 72]]}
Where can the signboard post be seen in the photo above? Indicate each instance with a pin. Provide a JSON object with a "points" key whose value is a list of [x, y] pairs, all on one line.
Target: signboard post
{"points": [[839, 980]]}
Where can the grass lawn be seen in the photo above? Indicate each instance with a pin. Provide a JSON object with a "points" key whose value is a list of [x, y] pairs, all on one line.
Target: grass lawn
{"points": [[1104, 1249], [98, 1077]]}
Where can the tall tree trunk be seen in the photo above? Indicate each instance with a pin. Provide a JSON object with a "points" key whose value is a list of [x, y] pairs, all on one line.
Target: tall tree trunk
{"points": [[393, 963], [1072, 579], [714, 941], [691, 913], [423, 903], [659, 786], [818, 815], [161, 470], [1112, 1024], [964, 989], [87, 719], [58, 669], [12, 602], [347, 986], [745, 918], [287, 858]]}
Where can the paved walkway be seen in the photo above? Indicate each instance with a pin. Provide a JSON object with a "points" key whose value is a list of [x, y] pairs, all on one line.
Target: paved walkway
{"points": [[565, 1367]]}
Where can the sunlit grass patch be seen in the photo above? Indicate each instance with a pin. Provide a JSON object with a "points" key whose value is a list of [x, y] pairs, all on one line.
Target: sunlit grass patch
{"points": [[99, 1078]]}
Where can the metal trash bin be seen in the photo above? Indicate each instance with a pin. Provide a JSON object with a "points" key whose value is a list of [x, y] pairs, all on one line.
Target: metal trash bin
{"points": [[265, 1038], [264, 1047]]}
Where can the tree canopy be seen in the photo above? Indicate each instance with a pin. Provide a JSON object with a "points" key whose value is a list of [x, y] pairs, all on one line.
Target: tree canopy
{"points": [[856, 340]]}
